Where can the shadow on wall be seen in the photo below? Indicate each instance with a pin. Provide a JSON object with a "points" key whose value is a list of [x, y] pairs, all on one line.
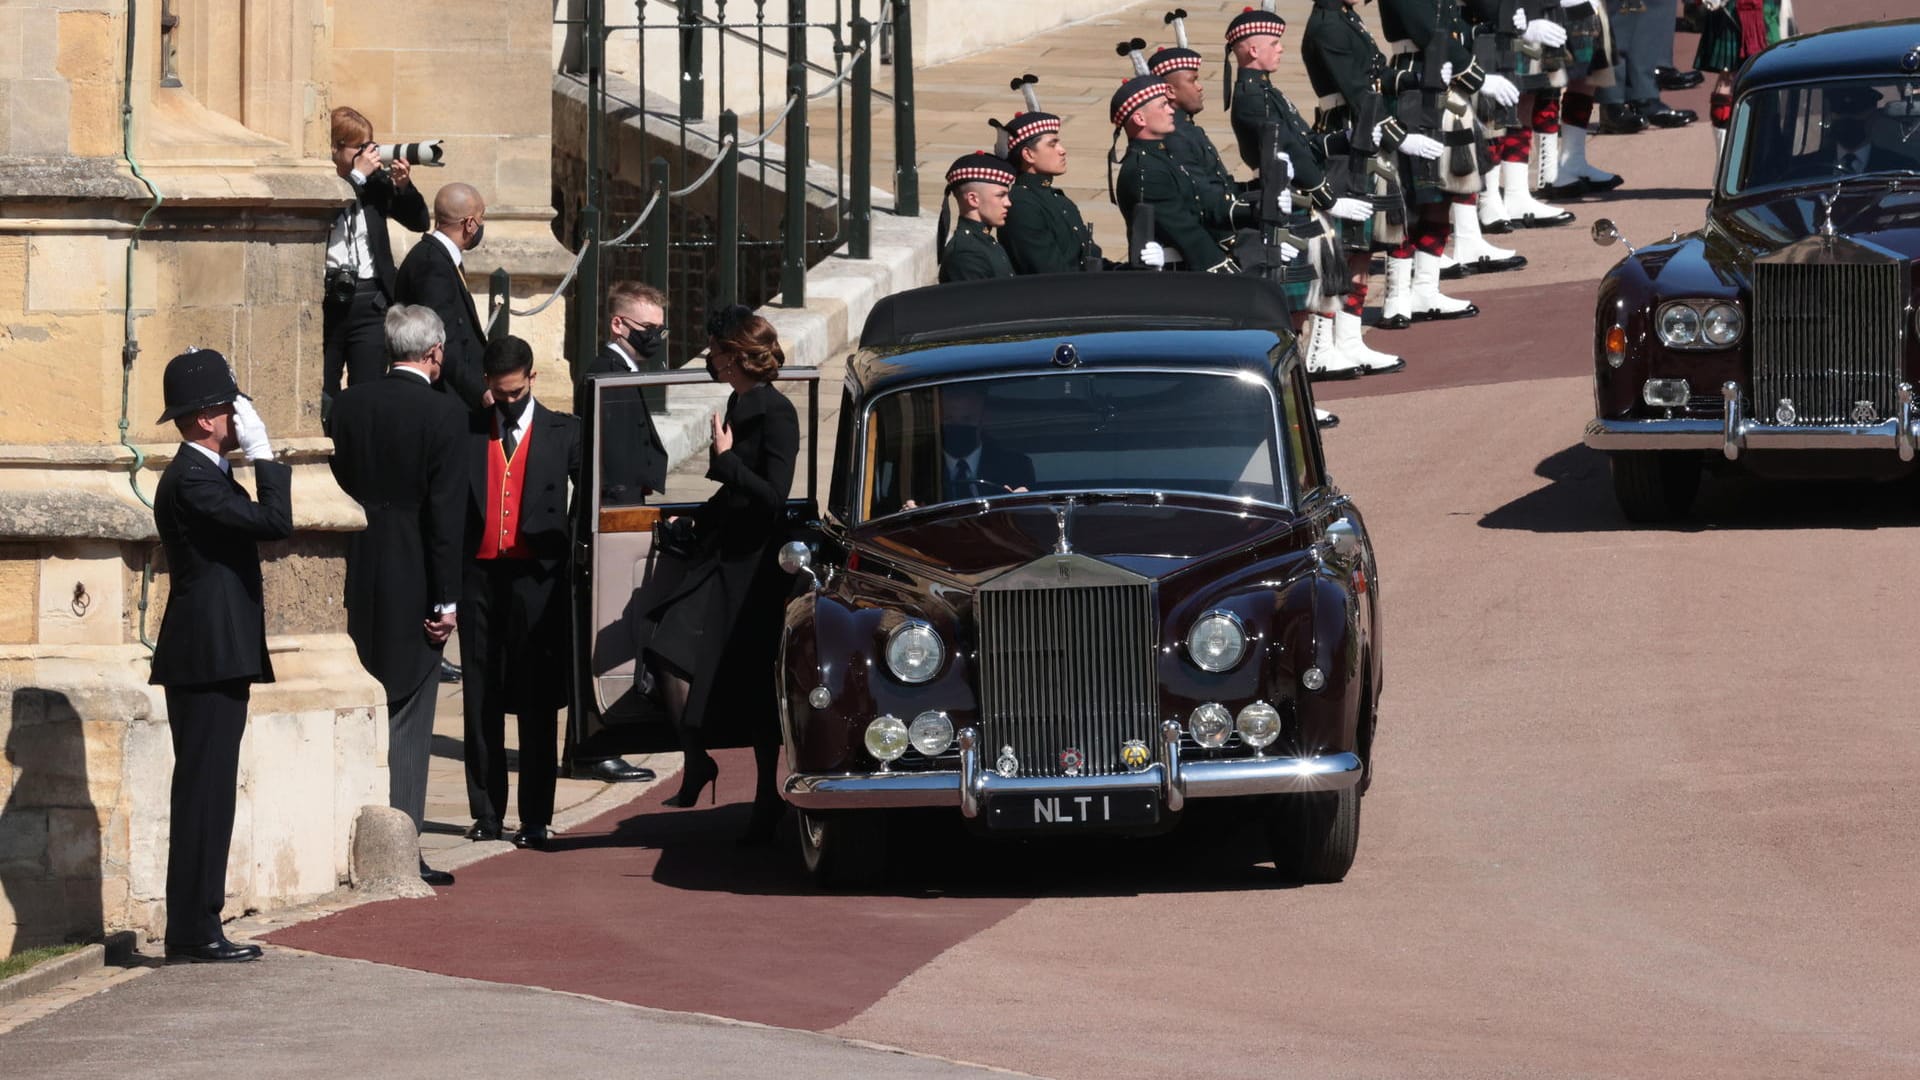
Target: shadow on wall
{"points": [[49, 828]]}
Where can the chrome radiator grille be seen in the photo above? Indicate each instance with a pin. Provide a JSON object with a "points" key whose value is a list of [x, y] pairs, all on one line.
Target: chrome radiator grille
{"points": [[1828, 336], [1066, 668]]}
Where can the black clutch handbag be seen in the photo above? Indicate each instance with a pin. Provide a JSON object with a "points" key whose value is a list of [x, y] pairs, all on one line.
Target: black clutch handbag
{"points": [[676, 538]]}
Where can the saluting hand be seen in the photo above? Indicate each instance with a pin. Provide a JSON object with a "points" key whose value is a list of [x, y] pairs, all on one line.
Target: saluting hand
{"points": [[722, 435]]}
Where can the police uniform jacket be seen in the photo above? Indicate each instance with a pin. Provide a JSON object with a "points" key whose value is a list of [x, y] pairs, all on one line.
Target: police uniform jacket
{"points": [[397, 452], [973, 254], [1256, 102], [214, 629], [1149, 175], [1044, 233], [1347, 69], [1194, 152]]}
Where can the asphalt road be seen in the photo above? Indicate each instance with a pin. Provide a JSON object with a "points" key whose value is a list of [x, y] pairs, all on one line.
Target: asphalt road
{"points": [[1643, 806]]}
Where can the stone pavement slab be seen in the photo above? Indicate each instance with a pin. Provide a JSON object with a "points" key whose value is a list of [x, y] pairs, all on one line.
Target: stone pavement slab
{"points": [[295, 1016]]}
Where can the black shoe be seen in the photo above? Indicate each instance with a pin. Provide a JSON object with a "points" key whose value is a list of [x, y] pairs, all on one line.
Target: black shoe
{"points": [[1618, 120], [1671, 79], [1495, 266], [1393, 322], [484, 830], [449, 673], [1457, 271], [1661, 114], [764, 822], [1436, 315], [537, 837], [612, 770], [694, 775], [214, 952], [1328, 424], [1497, 228], [439, 879]]}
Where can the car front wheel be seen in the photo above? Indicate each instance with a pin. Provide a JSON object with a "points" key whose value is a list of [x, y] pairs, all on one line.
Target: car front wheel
{"points": [[845, 850], [1314, 834], [1655, 485]]}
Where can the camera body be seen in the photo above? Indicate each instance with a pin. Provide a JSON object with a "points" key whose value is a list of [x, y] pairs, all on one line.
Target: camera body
{"points": [[341, 281], [427, 153]]}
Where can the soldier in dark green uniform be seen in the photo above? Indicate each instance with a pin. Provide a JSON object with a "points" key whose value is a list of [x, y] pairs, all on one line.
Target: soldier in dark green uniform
{"points": [[1221, 195], [978, 184], [1143, 109], [1044, 233]]}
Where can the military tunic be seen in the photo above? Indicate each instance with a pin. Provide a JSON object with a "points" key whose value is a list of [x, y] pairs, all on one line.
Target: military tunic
{"points": [[1412, 28], [1149, 175], [1194, 152], [973, 255], [1044, 233], [1256, 102], [1347, 69]]}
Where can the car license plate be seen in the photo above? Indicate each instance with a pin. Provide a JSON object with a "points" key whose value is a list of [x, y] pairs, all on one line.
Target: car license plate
{"points": [[1069, 811]]}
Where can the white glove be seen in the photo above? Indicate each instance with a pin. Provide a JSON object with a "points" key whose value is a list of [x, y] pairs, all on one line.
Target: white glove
{"points": [[1543, 32], [250, 430], [1519, 19], [1377, 129], [1152, 254], [1351, 209], [1421, 146], [1288, 253], [1446, 71], [1500, 90]]}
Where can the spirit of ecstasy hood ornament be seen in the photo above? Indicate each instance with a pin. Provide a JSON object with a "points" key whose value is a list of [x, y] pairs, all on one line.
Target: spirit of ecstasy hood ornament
{"points": [[1061, 515]]}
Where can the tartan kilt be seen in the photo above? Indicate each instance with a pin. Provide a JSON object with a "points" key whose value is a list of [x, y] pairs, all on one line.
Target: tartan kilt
{"points": [[1719, 42], [1590, 48]]}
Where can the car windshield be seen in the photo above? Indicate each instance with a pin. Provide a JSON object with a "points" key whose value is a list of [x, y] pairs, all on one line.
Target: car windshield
{"points": [[1823, 132], [1206, 433]]}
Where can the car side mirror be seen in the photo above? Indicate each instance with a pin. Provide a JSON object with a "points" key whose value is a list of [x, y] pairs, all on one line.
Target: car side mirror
{"points": [[796, 557], [1606, 233]]}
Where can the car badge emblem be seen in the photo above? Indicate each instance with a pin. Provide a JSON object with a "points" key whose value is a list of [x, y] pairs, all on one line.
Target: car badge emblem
{"points": [[1785, 412], [1072, 760], [1006, 764], [1865, 412], [1133, 754]]}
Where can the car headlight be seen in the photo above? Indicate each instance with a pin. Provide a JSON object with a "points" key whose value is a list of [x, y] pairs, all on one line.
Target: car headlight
{"points": [[1216, 642], [1722, 325], [1210, 725], [914, 652], [1259, 725], [1679, 326], [931, 733], [886, 738]]}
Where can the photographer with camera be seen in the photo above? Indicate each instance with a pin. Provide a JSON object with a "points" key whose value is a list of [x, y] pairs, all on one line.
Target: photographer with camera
{"points": [[360, 267]]}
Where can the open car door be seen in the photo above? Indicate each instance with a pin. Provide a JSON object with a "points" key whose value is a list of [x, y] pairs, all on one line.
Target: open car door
{"points": [[621, 568]]}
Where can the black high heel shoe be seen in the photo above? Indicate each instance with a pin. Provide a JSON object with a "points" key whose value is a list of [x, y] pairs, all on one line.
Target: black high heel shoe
{"points": [[694, 775], [765, 821]]}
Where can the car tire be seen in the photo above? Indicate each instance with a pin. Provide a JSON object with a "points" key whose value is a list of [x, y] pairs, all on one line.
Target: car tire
{"points": [[1314, 835], [1655, 485], [845, 850]]}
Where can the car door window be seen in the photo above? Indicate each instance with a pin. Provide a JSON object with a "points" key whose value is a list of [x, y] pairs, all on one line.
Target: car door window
{"points": [[1303, 435]]}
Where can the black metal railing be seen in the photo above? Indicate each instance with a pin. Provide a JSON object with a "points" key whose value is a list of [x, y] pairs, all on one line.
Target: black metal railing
{"points": [[745, 221]]}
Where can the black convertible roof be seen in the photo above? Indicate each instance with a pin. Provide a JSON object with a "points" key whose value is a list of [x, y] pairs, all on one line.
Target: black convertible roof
{"points": [[1862, 50], [1073, 303]]}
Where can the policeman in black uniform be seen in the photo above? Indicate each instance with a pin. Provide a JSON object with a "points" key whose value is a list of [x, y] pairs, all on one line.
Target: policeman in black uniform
{"points": [[1044, 233], [978, 183], [1143, 109], [213, 639]]}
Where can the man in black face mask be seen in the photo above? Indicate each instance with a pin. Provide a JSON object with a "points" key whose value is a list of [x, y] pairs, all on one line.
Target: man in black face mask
{"points": [[973, 463], [633, 462], [520, 458]]}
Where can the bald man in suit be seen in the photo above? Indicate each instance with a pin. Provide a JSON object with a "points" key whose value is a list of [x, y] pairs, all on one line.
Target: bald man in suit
{"points": [[431, 275]]}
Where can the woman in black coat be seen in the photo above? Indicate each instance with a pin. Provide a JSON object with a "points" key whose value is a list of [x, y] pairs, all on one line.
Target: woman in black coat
{"points": [[728, 543]]}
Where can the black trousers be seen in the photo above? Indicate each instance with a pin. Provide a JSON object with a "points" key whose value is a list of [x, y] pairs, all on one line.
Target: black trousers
{"points": [[355, 338], [207, 723], [410, 745], [511, 613]]}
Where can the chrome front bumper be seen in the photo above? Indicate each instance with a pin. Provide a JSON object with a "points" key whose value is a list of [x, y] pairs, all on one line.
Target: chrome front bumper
{"points": [[1734, 433], [971, 786]]}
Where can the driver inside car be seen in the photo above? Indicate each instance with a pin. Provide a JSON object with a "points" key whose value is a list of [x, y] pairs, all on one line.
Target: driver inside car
{"points": [[972, 462], [1848, 149]]}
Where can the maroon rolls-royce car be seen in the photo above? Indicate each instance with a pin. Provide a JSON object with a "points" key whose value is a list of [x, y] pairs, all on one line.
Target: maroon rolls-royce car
{"points": [[1081, 565], [1780, 337]]}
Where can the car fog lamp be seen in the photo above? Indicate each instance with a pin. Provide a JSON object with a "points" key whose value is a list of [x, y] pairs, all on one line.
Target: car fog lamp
{"points": [[1258, 724], [819, 697], [1722, 325], [1616, 346], [1679, 326], [931, 733], [1669, 393], [914, 653], [1313, 678], [1210, 725], [1216, 643], [886, 738]]}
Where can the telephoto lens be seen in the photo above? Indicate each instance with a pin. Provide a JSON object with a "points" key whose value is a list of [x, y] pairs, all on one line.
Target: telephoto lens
{"points": [[414, 153]]}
